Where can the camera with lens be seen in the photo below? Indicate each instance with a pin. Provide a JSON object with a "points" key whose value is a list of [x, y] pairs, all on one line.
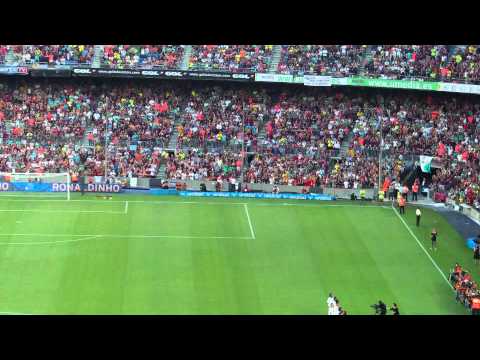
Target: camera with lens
{"points": [[380, 308], [376, 308]]}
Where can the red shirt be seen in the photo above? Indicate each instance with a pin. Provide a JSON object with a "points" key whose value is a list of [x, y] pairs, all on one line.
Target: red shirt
{"points": [[476, 303]]}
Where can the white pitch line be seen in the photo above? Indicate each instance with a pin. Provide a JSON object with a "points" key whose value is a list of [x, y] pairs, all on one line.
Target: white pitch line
{"points": [[137, 201], [249, 221], [319, 205], [126, 207], [2, 194], [49, 242], [63, 211], [90, 237], [12, 313], [254, 203], [423, 248]]}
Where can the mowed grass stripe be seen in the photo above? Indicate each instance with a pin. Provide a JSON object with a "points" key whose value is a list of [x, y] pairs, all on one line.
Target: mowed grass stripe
{"points": [[335, 258], [299, 255], [364, 251]]}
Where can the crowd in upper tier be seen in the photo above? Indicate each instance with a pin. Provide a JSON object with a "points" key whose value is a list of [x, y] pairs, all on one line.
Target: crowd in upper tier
{"points": [[455, 63], [47, 54]]}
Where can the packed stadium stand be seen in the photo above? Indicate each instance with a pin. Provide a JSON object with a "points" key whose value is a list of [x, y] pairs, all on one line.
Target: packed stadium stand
{"points": [[430, 62], [321, 59], [258, 134], [236, 58], [165, 56]]}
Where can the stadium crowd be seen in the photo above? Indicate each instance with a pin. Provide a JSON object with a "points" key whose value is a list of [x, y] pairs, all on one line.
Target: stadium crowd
{"points": [[404, 61], [219, 116], [164, 56], [466, 289], [342, 60], [234, 58], [432, 62], [39, 118], [301, 137], [429, 62], [48, 54], [197, 164]]}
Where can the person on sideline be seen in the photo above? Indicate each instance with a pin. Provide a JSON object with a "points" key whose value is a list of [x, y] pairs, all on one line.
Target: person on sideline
{"points": [[434, 239], [476, 254], [401, 204], [415, 189]]}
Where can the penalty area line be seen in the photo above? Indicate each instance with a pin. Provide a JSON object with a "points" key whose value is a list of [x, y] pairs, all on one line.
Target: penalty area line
{"points": [[64, 211], [50, 242], [105, 236], [249, 221], [14, 313]]}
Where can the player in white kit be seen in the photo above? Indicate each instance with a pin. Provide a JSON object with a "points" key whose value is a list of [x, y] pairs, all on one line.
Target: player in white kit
{"points": [[336, 306], [331, 304]]}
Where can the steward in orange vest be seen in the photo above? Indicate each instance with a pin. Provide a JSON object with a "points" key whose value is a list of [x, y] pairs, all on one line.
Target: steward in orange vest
{"points": [[401, 204], [476, 306], [415, 192], [405, 192]]}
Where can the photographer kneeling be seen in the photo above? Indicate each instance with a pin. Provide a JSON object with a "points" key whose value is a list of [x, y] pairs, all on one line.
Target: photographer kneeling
{"points": [[380, 308]]}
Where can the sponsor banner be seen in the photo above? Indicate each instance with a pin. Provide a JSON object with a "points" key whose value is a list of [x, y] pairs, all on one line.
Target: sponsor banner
{"points": [[298, 79], [279, 78], [459, 88], [340, 81], [13, 70], [206, 75], [164, 74], [257, 195], [116, 72], [395, 84], [102, 188], [57, 187], [163, 192], [307, 80], [314, 80], [25, 186], [51, 72], [173, 73]]}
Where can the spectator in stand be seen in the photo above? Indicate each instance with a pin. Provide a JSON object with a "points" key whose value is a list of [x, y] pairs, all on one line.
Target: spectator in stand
{"points": [[234, 58], [407, 61], [301, 131], [198, 165], [49, 54], [164, 56], [321, 59]]}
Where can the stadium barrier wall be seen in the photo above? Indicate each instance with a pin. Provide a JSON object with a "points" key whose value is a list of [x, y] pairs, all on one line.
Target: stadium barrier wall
{"points": [[465, 209], [339, 193], [58, 187], [256, 190], [257, 195]]}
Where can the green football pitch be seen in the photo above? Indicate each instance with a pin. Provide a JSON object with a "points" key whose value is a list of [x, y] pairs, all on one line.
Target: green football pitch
{"points": [[176, 255]]}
